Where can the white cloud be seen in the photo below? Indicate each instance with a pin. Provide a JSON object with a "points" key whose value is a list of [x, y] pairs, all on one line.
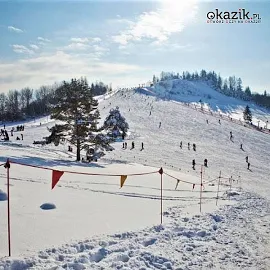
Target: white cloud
{"points": [[14, 29], [33, 46], [79, 40], [93, 49], [159, 25], [95, 39], [48, 68], [21, 49], [77, 46], [86, 40], [43, 39]]}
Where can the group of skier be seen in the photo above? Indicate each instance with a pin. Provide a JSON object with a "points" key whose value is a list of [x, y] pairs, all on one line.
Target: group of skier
{"points": [[132, 145], [241, 147], [205, 163], [193, 146], [4, 133]]}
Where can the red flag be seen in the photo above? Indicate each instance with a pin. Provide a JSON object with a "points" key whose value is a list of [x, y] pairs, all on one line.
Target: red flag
{"points": [[55, 177]]}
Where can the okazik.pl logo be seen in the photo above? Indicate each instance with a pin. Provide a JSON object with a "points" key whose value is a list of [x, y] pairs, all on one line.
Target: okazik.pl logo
{"points": [[240, 16]]}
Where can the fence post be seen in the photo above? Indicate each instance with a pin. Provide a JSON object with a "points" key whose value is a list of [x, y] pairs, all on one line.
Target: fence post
{"points": [[201, 190], [161, 195], [7, 166], [218, 187]]}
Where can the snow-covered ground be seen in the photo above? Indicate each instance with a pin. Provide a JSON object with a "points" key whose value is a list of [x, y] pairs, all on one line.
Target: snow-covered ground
{"points": [[97, 225]]}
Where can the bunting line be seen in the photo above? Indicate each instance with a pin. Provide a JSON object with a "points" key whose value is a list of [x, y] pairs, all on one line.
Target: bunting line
{"points": [[83, 173], [179, 179]]}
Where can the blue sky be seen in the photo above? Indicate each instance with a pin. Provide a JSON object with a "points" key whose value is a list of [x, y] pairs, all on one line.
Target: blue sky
{"points": [[126, 42]]}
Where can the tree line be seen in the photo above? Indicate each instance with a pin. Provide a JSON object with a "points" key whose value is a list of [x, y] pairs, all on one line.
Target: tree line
{"points": [[231, 86], [26, 103]]}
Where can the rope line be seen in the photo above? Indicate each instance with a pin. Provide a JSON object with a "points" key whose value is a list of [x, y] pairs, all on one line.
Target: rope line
{"points": [[83, 173], [179, 179]]}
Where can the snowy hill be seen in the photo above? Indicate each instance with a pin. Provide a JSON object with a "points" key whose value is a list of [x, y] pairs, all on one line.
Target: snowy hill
{"points": [[232, 235], [200, 92]]}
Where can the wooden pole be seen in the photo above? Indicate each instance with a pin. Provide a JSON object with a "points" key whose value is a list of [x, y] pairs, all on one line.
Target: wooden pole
{"points": [[230, 179], [218, 187], [161, 195], [161, 198], [8, 208], [201, 192], [240, 182]]}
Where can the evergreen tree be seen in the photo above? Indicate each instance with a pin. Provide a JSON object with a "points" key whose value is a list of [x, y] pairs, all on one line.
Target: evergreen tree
{"points": [[203, 74], [247, 114], [239, 88], [232, 86], [219, 83], [247, 91], [116, 123], [225, 89], [183, 76], [154, 79], [196, 75], [76, 107]]}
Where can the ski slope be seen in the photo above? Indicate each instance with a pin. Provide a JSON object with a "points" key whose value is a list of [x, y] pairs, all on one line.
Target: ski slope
{"points": [[97, 225]]}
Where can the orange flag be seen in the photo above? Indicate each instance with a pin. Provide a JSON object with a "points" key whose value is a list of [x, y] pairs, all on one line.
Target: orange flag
{"points": [[55, 177], [122, 180]]}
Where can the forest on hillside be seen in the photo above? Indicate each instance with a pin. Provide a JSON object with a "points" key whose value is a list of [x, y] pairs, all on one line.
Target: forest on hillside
{"points": [[28, 103], [231, 86]]}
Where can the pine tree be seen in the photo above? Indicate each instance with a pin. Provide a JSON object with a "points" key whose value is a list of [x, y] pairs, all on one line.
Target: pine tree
{"points": [[247, 114], [76, 107], [247, 91], [225, 88], [219, 83], [116, 123], [239, 88], [154, 79]]}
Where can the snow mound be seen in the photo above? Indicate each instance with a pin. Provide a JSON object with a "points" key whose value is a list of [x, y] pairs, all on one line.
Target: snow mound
{"points": [[216, 218], [3, 195], [47, 206]]}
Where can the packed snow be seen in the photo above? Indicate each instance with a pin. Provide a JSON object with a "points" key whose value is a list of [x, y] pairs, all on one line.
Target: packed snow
{"points": [[90, 223]]}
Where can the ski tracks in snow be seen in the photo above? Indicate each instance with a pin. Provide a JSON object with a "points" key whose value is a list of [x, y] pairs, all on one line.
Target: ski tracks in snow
{"points": [[234, 237]]}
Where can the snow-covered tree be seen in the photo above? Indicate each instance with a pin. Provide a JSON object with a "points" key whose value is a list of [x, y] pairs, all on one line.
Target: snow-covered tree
{"points": [[247, 114], [77, 108], [116, 123]]}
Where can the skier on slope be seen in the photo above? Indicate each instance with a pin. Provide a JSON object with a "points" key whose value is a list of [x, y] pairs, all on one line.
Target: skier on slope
{"points": [[231, 136], [193, 164]]}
